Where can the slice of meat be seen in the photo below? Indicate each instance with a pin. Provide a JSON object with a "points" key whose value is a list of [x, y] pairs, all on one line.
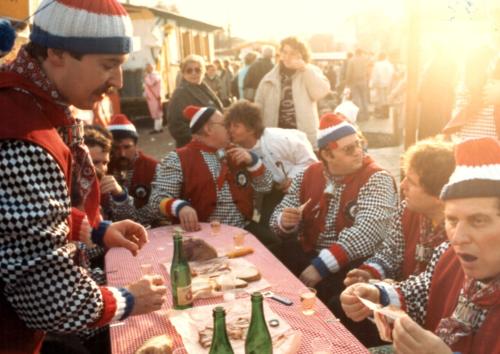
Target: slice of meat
{"points": [[196, 249]]}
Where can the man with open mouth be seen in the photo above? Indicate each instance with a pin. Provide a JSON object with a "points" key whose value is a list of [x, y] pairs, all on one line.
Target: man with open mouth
{"points": [[456, 301]]}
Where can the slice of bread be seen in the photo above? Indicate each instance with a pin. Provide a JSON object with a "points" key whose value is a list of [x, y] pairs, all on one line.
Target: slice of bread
{"points": [[248, 274]]}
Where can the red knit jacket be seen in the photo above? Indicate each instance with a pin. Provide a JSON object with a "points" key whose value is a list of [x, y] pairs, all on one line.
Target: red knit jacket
{"points": [[200, 190], [23, 119], [34, 117], [313, 186]]}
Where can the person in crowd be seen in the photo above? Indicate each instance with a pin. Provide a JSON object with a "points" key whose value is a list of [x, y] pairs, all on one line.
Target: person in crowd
{"points": [[357, 76], [248, 60], [191, 91], [99, 141], [420, 226], [288, 94], [285, 152], [343, 73], [225, 75], [416, 232], [257, 71], [436, 95], [208, 180], [340, 208], [380, 82], [130, 173], [453, 306], [212, 80], [42, 286], [475, 114], [152, 92], [331, 75]]}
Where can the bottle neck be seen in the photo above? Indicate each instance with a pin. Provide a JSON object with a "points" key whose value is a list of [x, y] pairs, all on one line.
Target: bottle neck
{"points": [[178, 251], [219, 324], [257, 310]]}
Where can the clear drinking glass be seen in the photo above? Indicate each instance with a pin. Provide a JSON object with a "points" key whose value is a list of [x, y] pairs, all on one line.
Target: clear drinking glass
{"points": [[308, 301]]}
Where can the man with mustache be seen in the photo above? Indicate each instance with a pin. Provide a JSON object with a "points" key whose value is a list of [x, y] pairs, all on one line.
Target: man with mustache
{"points": [[130, 173], [455, 304], [339, 207], [76, 50]]}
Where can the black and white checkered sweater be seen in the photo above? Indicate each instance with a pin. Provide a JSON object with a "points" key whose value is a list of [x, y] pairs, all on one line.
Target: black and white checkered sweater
{"points": [[41, 280], [376, 208], [168, 183]]}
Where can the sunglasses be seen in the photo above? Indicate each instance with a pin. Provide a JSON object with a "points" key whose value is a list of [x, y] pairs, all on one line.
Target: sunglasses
{"points": [[351, 148], [193, 70]]}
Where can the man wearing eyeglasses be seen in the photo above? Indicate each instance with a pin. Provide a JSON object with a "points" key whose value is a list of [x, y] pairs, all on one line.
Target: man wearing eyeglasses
{"points": [[339, 207]]}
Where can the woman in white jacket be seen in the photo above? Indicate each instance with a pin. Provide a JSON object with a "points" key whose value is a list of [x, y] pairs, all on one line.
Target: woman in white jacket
{"points": [[288, 94]]}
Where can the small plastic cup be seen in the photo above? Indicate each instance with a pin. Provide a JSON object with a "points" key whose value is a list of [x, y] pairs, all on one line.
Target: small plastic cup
{"points": [[215, 227], [308, 301], [146, 265], [239, 240]]}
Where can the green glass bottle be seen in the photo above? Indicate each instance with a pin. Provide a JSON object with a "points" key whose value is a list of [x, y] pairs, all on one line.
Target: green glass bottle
{"points": [[220, 341], [180, 276], [258, 339]]}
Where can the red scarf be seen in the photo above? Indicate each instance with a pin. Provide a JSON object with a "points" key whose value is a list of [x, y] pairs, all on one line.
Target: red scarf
{"points": [[474, 297], [84, 179], [430, 237]]}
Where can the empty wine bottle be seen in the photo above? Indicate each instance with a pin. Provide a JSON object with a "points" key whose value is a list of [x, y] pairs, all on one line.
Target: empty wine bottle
{"points": [[220, 341], [180, 276], [258, 339]]}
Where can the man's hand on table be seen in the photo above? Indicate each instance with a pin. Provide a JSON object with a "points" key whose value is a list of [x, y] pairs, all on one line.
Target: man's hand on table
{"points": [[353, 308], [357, 276], [126, 234], [409, 337], [149, 294], [310, 276], [189, 219]]}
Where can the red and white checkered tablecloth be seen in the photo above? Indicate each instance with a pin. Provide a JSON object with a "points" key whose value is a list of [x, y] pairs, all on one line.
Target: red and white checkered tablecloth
{"points": [[122, 268]]}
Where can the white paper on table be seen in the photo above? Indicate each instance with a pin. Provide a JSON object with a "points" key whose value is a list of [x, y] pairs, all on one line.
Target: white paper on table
{"points": [[189, 322], [201, 282]]}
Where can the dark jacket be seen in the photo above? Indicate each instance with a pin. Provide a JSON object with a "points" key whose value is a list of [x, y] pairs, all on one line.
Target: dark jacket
{"points": [[256, 72], [184, 95]]}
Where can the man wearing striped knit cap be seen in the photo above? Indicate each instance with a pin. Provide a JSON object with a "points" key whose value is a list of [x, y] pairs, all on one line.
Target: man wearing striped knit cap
{"points": [[207, 179], [75, 54], [340, 208], [455, 304]]}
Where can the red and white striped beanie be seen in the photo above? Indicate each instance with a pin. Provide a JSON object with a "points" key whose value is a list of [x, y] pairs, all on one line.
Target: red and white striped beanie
{"points": [[477, 171], [197, 116], [83, 26], [121, 127], [332, 128]]}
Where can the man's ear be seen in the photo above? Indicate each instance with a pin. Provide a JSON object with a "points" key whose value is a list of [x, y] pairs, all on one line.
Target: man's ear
{"points": [[56, 57], [326, 154]]}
